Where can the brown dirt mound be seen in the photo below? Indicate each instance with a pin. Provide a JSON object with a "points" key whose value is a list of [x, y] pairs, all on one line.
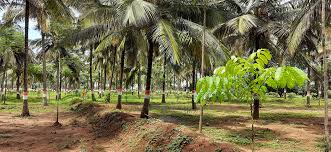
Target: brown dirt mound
{"points": [[129, 133], [110, 124], [155, 135], [85, 109]]}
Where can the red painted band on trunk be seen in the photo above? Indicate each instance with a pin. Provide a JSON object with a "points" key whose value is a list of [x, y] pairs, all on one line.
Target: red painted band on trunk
{"points": [[147, 92], [25, 93]]}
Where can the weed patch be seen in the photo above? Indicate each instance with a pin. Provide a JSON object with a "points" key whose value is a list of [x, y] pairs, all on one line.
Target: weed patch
{"points": [[178, 143]]}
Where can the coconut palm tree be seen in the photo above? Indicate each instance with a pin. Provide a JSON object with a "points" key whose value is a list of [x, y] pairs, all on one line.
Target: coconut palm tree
{"points": [[325, 75], [141, 16], [11, 47], [43, 11], [25, 110]]}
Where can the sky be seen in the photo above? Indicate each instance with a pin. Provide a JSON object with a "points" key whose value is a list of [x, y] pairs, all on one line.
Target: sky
{"points": [[33, 34]]}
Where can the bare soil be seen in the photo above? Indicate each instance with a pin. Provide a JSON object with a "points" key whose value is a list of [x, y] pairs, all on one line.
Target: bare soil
{"points": [[97, 132]]}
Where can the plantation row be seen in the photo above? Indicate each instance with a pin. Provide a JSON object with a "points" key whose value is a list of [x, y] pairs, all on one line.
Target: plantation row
{"points": [[219, 51]]}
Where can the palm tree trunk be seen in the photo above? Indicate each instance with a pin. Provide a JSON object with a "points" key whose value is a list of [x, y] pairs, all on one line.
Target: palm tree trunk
{"points": [[139, 81], [320, 85], [174, 87], [3, 84], [120, 87], [308, 88], [326, 80], [104, 77], [18, 84], [194, 106], [58, 90], [60, 79], [45, 102], [91, 79], [116, 80], [164, 79], [25, 110], [5, 94], [112, 73], [99, 81], [145, 109], [203, 60], [132, 84], [12, 82], [58, 76]]}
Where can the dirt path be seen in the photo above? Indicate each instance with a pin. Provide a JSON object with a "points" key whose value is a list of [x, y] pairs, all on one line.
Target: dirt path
{"points": [[37, 134]]}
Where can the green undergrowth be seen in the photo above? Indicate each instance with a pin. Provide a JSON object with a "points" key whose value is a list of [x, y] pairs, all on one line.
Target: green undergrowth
{"points": [[264, 138]]}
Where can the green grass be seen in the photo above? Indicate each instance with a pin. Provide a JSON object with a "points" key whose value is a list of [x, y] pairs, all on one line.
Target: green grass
{"points": [[227, 136], [264, 138]]}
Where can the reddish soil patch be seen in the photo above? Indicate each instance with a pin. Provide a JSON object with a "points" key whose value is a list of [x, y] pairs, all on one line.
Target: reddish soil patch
{"points": [[37, 134], [97, 131]]}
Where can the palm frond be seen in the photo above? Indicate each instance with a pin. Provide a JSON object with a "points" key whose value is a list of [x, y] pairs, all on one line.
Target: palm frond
{"points": [[211, 42], [243, 23], [164, 33], [300, 27], [91, 34], [59, 11], [138, 13], [110, 40]]}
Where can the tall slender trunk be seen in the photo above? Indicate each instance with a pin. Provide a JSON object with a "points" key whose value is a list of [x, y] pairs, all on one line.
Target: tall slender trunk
{"points": [[111, 78], [194, 106], [326, 80], [5, 87], [174, 87], [132, 84], [45, 102], [18, 84], [203, 60], [58, 90], [112, 72], [139, 81], [308, 87], [116, 80], [91, 74], [145, 109], [99, 80], [320, 85], [66, 84], [120, 87], [25, 110], [58, 77], [3, 84], [12, 83], [104, 77], [164, 79]]}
